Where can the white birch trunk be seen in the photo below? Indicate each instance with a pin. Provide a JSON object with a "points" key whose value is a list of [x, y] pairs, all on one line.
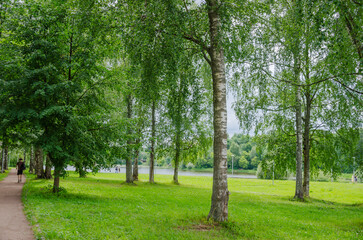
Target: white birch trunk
{"points": [[220, 195]]}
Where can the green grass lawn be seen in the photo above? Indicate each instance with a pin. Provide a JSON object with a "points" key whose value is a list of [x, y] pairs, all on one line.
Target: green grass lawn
{"points": [[4, 175], [344, 177], [103, 207]]}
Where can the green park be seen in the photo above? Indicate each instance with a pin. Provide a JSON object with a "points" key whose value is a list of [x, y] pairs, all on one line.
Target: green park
{"points": [[181, 119]]}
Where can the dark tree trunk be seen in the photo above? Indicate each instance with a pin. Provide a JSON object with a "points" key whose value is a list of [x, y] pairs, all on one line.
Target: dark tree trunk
{"points": [[135, 172], [56, 180], [48, 168], [6, 158], [25, 158], [82, 173], [39, 159], [176, 168], [308, 100], [220, 195], [177, 157], [152, 153], [31, 160], [306, 183], [299, 193], [80, 169], [129, 141], [177, 122], [2, 160]]}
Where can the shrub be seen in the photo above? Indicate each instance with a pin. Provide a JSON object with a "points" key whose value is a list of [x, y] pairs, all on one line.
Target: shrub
{"points": [[190, 165]]}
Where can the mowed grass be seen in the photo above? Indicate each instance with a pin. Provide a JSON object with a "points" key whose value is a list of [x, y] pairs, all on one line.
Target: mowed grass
{"points": [[104, 207]]}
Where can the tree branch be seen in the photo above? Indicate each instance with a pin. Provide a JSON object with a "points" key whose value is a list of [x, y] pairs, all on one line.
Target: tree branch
{"points": [[351, 89], [185, 6], [289, 135], [206, 58], [191, 38], [320, 81], [85, 92]]}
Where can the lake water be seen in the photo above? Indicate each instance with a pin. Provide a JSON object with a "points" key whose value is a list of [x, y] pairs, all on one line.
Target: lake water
{"points": [[168, 171]]}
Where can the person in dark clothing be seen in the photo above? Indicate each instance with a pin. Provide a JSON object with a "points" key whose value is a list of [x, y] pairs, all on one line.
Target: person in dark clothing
{"points": [[20, 166]]}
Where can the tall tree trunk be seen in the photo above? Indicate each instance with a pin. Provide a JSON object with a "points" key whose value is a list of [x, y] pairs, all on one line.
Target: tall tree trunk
{"points": [[39, 159], [6, 159], [24, 158], [220, 195], [82, 171], [152, 149], [57, 172], [129, 141], [48, 168], [2, 160], [177, 122], [299, 193], [135, 172], [308, 98], [177, 157], [31, 161], [36, 158], [307, 148]]}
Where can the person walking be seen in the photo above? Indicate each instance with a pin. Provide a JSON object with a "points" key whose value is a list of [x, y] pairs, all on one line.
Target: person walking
{"points": [[20, 166]]}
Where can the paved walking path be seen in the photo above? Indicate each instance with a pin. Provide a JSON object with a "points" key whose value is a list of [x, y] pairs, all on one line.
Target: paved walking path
{"points": [[13, 224]]}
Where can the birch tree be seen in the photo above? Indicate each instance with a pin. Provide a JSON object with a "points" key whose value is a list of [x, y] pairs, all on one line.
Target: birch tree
{"points": [[327, 79], [209, 27]]}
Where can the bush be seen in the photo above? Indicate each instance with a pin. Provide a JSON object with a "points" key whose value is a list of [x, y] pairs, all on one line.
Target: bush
{"points": [[243, 163], [190, 165]]}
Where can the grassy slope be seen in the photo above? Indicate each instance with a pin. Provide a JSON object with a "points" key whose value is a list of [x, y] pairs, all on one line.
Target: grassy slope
{"points": [[100, 207]]}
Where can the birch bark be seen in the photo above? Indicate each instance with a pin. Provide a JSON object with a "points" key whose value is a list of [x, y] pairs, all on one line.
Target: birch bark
{"points": [[297, 17], [220, 194]]}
